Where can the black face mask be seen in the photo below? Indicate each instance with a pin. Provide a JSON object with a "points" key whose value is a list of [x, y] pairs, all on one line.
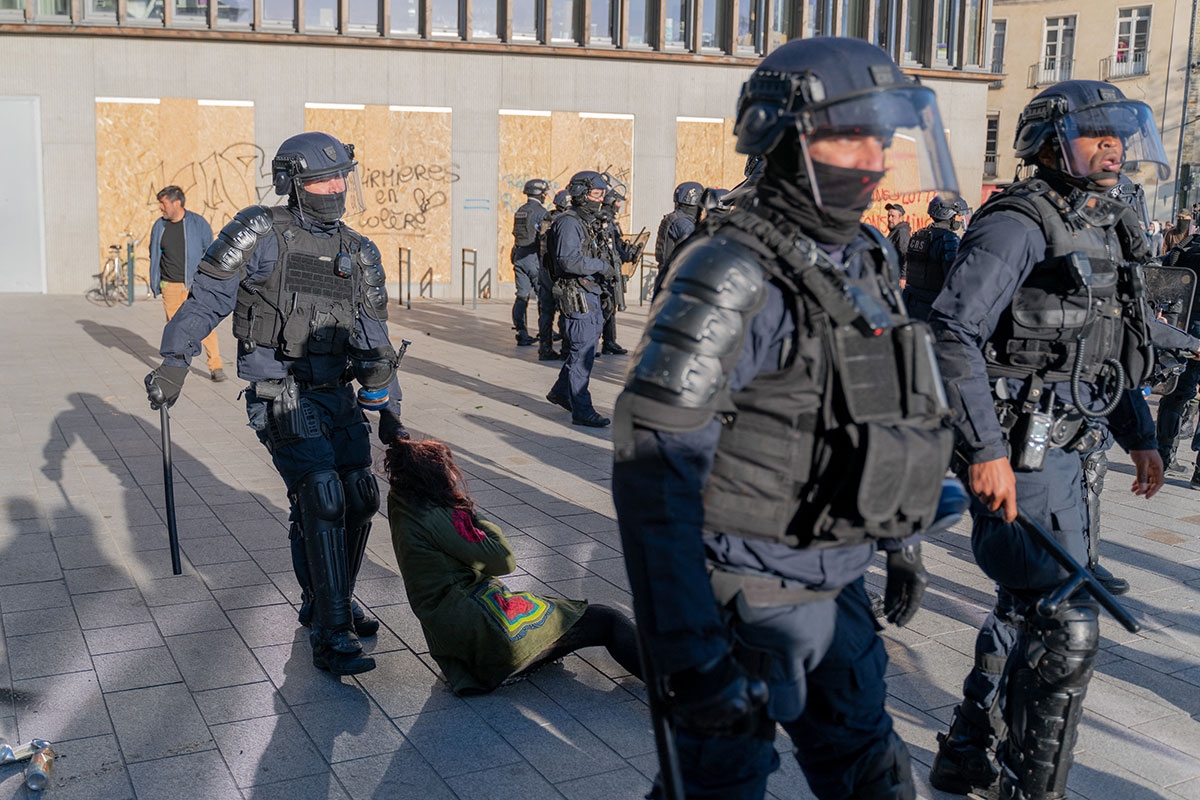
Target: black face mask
{"points": [[785, 187], [323, 207], [845, 188], [591, 207]]}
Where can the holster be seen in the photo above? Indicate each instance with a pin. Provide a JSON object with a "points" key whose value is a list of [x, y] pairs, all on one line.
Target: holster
{"points": [[290, 417], [571, 297]]}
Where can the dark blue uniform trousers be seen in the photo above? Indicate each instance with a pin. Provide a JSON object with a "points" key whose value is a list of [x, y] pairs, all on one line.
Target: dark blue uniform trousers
{"points": [[546, 309], [525, 275], [1170, 410], [826, 667], [582, 333], [1022, 569]]}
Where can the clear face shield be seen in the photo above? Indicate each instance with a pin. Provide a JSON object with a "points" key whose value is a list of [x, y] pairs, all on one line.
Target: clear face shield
{"points": [[331, 194], [891, 136], [1113, 137]]}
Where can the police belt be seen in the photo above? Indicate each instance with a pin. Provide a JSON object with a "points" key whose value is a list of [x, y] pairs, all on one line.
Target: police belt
{"points": [[762, 592], [1068, 431], [271, 388]]}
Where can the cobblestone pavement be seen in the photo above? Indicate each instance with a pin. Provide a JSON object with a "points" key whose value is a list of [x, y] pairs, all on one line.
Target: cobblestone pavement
{"points": [[200, 686]]}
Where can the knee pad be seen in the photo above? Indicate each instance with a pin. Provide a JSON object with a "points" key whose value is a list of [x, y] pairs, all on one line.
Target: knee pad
{"points": [[321, 501], [362, 497]]}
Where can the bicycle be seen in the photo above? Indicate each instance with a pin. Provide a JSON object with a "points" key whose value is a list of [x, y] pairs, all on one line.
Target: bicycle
{"points": [[113, 283]]}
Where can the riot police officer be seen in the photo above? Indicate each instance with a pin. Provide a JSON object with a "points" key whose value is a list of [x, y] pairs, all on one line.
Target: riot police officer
{"points": [[744, 416], [547, 307], [1173, 407], [573, 253], [616, 253], [527, 223], [931, 251], [677, 226], [1041, 329], [309, 306]]}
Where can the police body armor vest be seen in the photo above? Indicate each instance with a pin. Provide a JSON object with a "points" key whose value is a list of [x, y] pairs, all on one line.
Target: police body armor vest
{"points": [[663, 247], [924, 273], [525, 233], [589, 244], [1083, 294], [303, 306], [847, 441]]}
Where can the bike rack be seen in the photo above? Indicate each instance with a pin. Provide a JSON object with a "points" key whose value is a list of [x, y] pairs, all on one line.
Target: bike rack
{"points": [[405, 257], [129, 262]]}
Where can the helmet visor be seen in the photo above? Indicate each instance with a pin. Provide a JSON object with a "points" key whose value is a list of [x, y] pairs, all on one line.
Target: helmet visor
{"points": [[1111, 137], [907, 131], [344, 181]]}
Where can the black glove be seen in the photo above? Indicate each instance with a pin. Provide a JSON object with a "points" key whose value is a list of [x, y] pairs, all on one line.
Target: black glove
{"points": [[391, 428], [906, 581], [164, 385], [718, 699]]}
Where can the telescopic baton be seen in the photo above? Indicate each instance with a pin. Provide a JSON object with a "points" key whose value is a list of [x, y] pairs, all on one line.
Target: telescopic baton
{"points": [[664, 731], [164, 415], [1078, 576]]}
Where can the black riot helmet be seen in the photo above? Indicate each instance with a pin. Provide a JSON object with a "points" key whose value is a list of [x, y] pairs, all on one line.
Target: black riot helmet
{"points": [[562, 200], [810, 93], [581, 184], [688, 193], [940, 211], [536, 188], [1068, 112], [307, 167]]}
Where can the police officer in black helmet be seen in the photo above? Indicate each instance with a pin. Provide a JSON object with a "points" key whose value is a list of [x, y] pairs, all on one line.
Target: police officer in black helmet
{"points": [[309, 309], [749, 497], [1041, 332], [677, 226], [931, 251], [527, 222], [547, 306], [573, 252]]}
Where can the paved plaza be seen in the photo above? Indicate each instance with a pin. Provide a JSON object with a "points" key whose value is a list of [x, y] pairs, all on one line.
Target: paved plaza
{"points": [[153, 686]]}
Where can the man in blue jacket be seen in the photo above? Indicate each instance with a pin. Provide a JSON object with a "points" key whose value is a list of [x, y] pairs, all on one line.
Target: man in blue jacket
{"points": [[177, 242]]}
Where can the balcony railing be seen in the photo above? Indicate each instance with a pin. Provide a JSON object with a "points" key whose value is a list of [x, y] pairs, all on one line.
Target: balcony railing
{"points": [[997, 69], [1052, 70], [1129, 64], [989, 165]]}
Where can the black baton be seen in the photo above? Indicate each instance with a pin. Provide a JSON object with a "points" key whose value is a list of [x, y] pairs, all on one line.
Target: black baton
{"points": [[664, 731], [155, 394], [1078, 576]]}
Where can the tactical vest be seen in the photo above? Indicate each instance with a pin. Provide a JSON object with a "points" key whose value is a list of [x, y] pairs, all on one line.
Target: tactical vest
{"points": [[848, 440], [303, 306], [524, 232], [663, 245], [1082, 308], [589, 244], [925, 270]]}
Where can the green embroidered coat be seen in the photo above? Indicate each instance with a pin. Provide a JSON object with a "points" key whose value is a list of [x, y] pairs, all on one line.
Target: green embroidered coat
{"points": [[478, 631]]}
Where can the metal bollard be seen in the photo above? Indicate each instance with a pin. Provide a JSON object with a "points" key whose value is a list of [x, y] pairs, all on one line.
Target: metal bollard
{"points": [[129, 262], [404, 256], [474, 277]]}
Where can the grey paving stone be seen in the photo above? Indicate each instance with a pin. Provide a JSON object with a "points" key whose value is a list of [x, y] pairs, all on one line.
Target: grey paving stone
{"points": [[348, 728], [61, 707], [248, 597], [381, 591], [34, 596], [404, 623], [122, 638], [205, 615], [313, 787], [267, 625], [135, 669], [231, 574], [23, 623], [108, 609], [96, 579], [48, 653], [402, 685], [443, 736], [214, 550], [624, 782], [290, 668], [268, 750], [504, 782], [202, 774], [236, 703], [156, 722], [399, 775], [212, 659], [87, 769]]}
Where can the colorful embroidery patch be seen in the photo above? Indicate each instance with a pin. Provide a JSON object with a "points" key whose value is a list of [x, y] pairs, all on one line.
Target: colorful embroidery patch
{"points": [[515, 612]]}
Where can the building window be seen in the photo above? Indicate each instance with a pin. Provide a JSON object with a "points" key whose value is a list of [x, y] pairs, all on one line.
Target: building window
{"points": [[946, 44], [276, 13], [782, 22], [53, 8], [999, 31], [562, 21], [974, 33], [604, 22], [678, 22], [445, 18], [483, 19], [405, 16], [637, 22], [854, 19], [362, 16], [887, 33], [750, 26], [990, 146], [240, 13], [917, 31], [146, 11], [524, 19], [818, 18], [320, 15], [1132, 45], [1058, 51]]}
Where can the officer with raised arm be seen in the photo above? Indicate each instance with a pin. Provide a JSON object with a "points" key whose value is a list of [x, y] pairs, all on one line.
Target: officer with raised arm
{"points": [[781, 421], [309, 312], [1042, 329]]}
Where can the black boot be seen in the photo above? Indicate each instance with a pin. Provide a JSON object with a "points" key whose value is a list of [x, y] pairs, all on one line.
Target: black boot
{"points": [[962, 762], [336, 648], [338, 652], [1109, 581]]}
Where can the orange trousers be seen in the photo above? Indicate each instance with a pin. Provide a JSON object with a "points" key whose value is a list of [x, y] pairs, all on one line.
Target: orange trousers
{"points": [[173, 295]]}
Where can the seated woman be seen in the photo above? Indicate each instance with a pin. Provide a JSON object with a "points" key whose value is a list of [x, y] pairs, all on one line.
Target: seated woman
{"points": [[479, 631]]}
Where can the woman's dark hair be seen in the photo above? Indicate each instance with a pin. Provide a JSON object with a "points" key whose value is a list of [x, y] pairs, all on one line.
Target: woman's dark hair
{"points": [[424, 473]]}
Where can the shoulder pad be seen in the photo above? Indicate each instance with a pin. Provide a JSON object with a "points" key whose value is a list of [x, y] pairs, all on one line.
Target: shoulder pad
{"points": [[696, 328], [230, 251], [369, 255]]}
